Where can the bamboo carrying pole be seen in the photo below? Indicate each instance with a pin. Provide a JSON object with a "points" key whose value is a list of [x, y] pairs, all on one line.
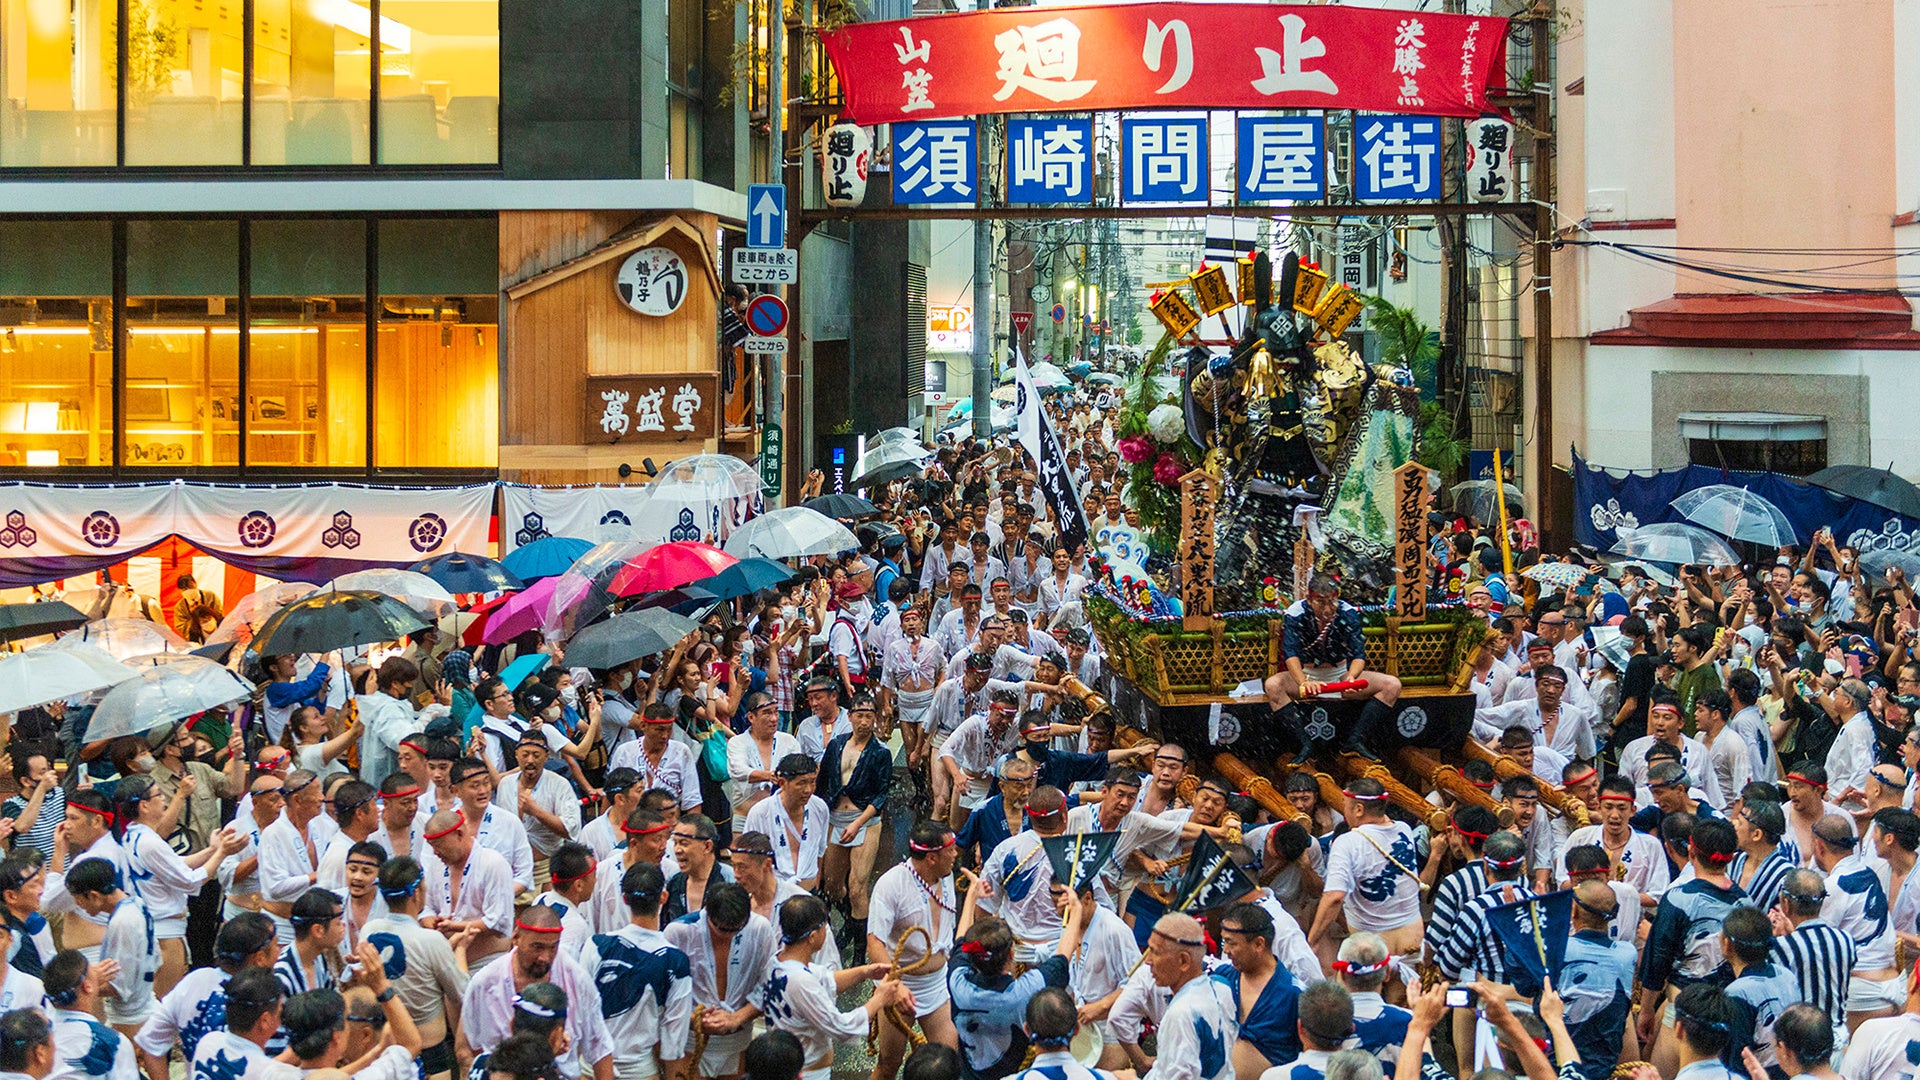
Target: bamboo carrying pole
{"points": [[1449, 779], [1505, 768]]}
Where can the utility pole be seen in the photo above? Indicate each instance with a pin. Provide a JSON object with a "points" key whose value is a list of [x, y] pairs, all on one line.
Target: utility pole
{"points": [[1541, 20], [983, 309]]}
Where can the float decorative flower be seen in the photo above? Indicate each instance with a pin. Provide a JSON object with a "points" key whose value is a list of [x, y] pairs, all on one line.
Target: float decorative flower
{"points": [[1135, 450], [1167, 423], [1169, 469]]}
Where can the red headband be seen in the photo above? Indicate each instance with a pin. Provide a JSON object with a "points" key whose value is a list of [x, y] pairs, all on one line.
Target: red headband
{"points": [[460, 822], [922, 850], [1364, 798], [1804, 780], [415, 745], [404, 793], [1665, 706], [974, 948], [1032, 813], [1614, 796], [576, 877], [1503, 863], [1483, 785], [537, 929], [103, 815], [656, 719], [631, 831], [1567, 780], [1349, 967], [1712, 857], [1468, 833]]}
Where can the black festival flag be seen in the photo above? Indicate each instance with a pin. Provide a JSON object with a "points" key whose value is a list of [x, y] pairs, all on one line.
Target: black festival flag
{"points": [[1212, 880], [1077, 858], [1534, 934], [1036, 434]]}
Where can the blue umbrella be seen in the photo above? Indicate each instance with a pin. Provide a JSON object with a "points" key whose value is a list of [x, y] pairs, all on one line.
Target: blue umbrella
{"points": [[462, 573], [746, 576], [549, 556], [523, 668]]}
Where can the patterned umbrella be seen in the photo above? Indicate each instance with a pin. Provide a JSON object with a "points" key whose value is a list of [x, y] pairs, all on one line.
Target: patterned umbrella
{"points": [[1736, 512], [1557, 575]]}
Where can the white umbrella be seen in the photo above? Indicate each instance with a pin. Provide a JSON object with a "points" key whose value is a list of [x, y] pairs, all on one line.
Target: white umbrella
{"points": [[257, 607], [122, 638], [894, 434], [694, 497], [1877, 560], [416, 590], [1675, 545], [45, 674], [789, 533], [889, 461], [161, 695], [1736, 512], [1048, 376]]}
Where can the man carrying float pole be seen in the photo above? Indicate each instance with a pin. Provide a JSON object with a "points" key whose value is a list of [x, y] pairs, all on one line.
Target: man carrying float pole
{"points": [[1323, 644]]}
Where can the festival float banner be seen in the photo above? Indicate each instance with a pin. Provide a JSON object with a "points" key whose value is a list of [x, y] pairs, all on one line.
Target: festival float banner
{"points": [[1168, 56], [304, 532]]}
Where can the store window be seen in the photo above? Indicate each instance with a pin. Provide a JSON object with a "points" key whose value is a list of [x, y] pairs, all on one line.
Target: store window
{"points": [[307, 345], [436, 385], [310, 73], [182, 397], [57, 93], [56, 344]]}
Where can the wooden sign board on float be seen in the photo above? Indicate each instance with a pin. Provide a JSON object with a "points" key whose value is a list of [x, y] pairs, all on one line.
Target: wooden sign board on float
{"points": [[1410, 541]]}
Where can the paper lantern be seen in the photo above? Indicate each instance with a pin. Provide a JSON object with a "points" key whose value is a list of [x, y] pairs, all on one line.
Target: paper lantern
{"points": [[845, 157]]}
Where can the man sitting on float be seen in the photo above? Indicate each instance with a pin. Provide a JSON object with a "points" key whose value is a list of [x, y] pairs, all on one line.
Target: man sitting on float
{"points": [[1323, 645]]}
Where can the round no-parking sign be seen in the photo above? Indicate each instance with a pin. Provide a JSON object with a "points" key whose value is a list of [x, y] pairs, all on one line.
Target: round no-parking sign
{"points": [[767, 315]]}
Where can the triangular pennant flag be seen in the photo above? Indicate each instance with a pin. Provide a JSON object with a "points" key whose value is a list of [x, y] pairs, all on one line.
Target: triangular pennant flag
{"points": [[1078, 858], [1212, 880], [1534, 934]]}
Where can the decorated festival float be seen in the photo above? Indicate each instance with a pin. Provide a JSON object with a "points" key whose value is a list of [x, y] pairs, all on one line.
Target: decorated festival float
{"points": [[1282, 456]]}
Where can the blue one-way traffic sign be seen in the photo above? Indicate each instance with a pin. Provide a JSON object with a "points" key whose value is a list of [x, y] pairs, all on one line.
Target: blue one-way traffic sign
{"points": [[766, 215]]}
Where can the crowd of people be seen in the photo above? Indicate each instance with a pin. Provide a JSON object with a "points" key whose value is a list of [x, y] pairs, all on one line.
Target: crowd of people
{"points": [[824, 816]]}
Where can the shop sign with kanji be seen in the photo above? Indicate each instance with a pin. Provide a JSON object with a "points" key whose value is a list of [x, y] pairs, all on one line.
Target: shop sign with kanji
{"points": [[1168, 56], [674, 405]]}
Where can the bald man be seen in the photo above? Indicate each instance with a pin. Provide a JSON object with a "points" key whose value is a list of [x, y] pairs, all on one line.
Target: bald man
{"points": [[486, 1011], [1200, 1025], [467, 886]]}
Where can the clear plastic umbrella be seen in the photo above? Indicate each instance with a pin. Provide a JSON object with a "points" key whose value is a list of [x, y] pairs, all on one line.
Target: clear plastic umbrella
{"points": [[416, 590], [122, 638], [889, 461], [790, 533], [1675, 544], [161, 695], [696, 497], [1878, 560], [45, 674], [255, 608], [1048, 376], [894, 434], [581, 595], [1736, 512], [1477, 499], [95, 657]]}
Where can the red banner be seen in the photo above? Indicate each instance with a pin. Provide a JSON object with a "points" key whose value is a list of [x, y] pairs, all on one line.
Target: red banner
{"points": [[1168, 55]]}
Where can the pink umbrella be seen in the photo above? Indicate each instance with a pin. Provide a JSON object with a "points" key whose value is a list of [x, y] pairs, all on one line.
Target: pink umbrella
{"points": [[520, 612], [669, 566]]}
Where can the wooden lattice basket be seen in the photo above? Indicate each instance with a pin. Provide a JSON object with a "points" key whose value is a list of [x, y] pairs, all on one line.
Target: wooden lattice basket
{"points": [[1421, 654]]}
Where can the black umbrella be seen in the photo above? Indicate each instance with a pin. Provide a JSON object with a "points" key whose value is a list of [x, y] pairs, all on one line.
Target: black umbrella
{"points": [[31, 620], [327, 620], [629, 636], [1880, 487], [462, 573], [842, 506]]}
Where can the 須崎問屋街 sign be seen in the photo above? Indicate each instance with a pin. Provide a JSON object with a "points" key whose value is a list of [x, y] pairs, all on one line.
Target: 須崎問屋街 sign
{"points": [[1168, 56]]}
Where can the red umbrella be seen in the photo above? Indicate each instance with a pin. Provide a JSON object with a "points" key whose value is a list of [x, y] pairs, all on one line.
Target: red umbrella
{"points": [[669, 566]]}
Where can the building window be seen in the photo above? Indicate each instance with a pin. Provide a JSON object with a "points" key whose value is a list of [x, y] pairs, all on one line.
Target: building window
{"points": [[307, 345], [1756, 441], [181, 400], [56, 344], [437, 399], [686, 65], [190, 82]]}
